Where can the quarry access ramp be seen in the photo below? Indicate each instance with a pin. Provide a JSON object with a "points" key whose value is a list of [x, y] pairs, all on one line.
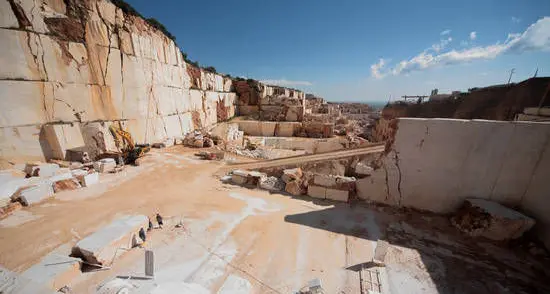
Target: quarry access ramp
{"points": [[294, 160]]}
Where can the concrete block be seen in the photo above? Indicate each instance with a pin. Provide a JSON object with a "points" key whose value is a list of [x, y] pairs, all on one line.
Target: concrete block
{"points": [[54, 271], [105, 165], [90, 179], [44, 170], [338, 195], [316, 191], [480, 217], [102, 247], [63, 137], [36, 193]]}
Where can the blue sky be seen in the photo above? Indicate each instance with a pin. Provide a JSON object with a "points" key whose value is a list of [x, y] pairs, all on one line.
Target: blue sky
{"points": [[334, 48]]}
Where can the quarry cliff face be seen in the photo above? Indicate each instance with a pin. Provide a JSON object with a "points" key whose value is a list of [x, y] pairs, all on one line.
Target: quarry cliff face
{"points": [[86, 63]]}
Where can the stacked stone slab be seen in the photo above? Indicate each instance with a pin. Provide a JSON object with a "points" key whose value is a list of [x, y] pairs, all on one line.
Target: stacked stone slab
{"points": [[331, 187], [286, 129]]}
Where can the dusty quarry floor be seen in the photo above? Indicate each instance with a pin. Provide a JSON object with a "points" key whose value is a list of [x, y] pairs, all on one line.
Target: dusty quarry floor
{"points": [[238, 240]]}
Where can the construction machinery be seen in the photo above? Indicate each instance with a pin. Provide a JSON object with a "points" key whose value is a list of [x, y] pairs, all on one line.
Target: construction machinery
{"points": [[125, 143]]}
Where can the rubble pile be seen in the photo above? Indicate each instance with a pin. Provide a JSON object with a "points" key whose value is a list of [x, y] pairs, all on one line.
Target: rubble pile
{"points": [[480, 217], [296, 182], [37, 181], [199, 139]]}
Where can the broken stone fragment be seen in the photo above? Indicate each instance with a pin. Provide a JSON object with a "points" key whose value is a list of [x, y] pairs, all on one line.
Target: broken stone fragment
{"points": [[479, 217], [294, 188], [36, 193], [363, 169], [208, 142], [294, 174], [105, 165], [41, 169], [335, 182], [66, 185], [239, 177], [158, 145], [271, 184]]}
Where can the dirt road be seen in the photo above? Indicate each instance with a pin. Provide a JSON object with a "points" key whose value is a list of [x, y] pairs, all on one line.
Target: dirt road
{"points": [[373, 148], [232, 236]]}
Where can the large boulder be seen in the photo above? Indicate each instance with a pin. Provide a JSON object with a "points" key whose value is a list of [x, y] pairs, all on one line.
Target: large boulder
{"points": [[484, 218]]}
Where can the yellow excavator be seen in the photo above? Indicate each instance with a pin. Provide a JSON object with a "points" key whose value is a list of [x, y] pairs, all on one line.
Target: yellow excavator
{"points": [[124, 141]]}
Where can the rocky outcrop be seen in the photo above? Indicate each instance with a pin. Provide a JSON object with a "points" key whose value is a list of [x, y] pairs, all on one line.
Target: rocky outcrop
{"points": [[270, 103]]}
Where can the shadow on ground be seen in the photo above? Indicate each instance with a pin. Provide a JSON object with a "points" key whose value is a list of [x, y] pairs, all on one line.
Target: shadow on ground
{"points": [[427, 255]]}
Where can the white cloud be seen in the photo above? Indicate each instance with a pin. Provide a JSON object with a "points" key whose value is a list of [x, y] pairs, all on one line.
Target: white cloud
{"points": [[535, 38], [445, 32], [287, 83], [464, 43], [441, 45], [375, 69], [473, 35], [516, 19]]}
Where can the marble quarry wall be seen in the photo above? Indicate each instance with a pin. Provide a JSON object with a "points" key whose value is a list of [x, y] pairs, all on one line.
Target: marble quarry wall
{"points": [[86, 64], [269, 103], [435, 164]]}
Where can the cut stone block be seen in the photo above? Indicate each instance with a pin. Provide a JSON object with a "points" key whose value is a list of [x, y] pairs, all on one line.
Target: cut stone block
{"points": [[479, 217], [37, 193], [66, 185], [316, 191], [239, 177], [54, 271], [90, 179], [79, 154], [12, 283], [293, 174], [324, 180], [45, 170], [103, 246], [62, 137], [8, 186], [363, 169], [105, 165], [338, 195], [345, 183], [62, 175]]}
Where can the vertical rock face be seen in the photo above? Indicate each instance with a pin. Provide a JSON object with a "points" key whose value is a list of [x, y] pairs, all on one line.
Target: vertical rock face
{"points": [[82, 62], [271, 103]]}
